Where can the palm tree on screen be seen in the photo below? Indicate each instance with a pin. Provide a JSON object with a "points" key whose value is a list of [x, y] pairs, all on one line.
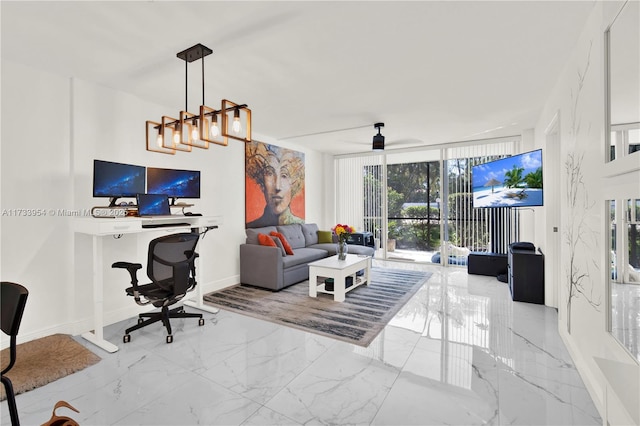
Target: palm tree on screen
{"points": [[513, 177], [534, 179]]}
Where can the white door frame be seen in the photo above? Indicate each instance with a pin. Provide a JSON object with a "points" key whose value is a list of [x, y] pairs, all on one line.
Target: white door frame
{"points": [[552, 190]]}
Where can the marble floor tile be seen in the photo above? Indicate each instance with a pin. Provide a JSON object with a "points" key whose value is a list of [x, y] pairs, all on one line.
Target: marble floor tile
{"points": [[147, 378], [267, 417], [459, 352], [344, 386], [196, 401], [263, 367], [526, 401], [443, 385]]}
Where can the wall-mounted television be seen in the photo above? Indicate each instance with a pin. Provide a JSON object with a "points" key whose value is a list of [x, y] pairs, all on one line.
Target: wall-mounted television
{"points": [[115, 180], [174, 183], [514, 181]]}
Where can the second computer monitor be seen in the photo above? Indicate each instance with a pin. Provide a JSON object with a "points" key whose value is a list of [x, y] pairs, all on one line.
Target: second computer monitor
{"points": [[174, 183]]}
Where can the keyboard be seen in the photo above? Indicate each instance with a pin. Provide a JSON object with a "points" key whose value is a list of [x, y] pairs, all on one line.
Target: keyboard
{"points": [[165, 225]]}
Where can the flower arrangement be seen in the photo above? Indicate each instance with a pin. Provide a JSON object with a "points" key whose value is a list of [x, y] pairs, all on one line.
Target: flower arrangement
{"points": [[343, 232]]}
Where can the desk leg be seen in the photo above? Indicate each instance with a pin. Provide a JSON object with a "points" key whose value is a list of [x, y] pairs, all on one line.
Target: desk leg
{"points": [[198, 301], [96, 337]]}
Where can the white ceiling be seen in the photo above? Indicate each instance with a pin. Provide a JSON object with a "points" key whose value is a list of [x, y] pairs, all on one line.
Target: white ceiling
{"points": [[432, 71]]}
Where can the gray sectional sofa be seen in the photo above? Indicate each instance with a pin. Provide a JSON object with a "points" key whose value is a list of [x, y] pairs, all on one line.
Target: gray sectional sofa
{"points": [[267, 267]]}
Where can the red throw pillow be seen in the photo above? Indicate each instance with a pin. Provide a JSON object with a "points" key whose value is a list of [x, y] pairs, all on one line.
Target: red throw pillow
{"points": [[266, 240], [283, 240]]}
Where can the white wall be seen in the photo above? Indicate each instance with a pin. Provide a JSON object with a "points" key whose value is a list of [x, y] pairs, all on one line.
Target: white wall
{"points": [[36, 178], [47, 163], [578, 98]]}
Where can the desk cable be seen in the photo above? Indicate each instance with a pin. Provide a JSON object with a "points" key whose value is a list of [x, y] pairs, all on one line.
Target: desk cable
{"points": [[207, 229]]}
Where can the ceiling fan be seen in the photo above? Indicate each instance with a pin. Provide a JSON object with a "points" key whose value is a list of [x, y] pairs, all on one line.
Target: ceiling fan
{"points": [[378, 141]]}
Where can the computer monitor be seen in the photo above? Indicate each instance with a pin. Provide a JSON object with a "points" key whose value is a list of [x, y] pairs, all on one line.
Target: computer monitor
{"points": [[115, 180], [174, 183]]}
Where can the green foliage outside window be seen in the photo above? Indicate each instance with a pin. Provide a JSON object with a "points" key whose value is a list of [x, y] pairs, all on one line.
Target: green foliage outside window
{"points": [[416, 226], [395, 200]]}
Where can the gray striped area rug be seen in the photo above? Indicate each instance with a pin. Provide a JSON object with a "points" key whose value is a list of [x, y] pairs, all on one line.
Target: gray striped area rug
{"points": [[358, 320]]}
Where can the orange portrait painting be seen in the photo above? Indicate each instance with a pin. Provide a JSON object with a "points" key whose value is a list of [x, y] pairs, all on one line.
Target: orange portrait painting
{"points": [[274, 185]]}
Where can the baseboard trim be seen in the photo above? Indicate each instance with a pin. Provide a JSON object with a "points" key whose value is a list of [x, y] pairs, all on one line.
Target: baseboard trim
{"points": [[27, 337], [220, 284]]}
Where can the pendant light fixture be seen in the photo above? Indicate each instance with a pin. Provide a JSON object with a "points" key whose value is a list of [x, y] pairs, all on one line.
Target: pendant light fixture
{"points": [[236, 121], [198, 130], [378, 140]]}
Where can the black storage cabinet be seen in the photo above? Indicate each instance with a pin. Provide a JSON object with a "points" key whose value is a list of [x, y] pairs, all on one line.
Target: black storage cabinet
{"points": [[526, 274], [361, 239], [491, 264]]}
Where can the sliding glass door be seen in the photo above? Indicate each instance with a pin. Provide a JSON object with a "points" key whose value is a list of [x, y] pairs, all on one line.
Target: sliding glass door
{"points": [[399, 197], [413, 209]]}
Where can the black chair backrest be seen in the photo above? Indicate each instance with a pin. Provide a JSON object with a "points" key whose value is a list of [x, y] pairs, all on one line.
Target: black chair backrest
{"points": [[13, 300], [170, 259]]}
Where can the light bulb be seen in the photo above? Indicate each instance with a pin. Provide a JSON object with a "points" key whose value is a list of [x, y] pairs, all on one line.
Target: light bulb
{"points": [[176, 137], [214, 130], [194, 133], [236, 125], [159, 140]]}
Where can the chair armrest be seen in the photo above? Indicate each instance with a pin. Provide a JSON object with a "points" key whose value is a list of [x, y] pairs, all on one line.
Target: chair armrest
{"points": [[127, 265], [131, 267]]}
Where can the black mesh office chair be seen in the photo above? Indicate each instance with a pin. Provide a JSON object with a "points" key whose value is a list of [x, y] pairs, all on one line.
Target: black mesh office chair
{"points": [[14, 299], [171, 268]]}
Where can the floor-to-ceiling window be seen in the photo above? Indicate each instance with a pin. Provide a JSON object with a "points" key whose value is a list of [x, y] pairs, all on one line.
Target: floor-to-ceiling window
{"points": [[399, 197]]}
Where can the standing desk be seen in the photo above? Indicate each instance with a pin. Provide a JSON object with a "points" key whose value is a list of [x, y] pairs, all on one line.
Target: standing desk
{"points": [[100, 228]]}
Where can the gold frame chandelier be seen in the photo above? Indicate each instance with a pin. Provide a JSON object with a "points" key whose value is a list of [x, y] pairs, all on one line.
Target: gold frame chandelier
{"points": [[199, 130]]}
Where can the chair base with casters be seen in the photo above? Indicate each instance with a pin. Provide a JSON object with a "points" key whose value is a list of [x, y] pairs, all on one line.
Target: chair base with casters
{"points": [[13, 299], [171, 268], [164, 315]]}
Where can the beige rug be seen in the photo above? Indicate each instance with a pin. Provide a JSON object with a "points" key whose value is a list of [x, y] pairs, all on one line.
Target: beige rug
{"points": [[45, 360], [358, 320]]}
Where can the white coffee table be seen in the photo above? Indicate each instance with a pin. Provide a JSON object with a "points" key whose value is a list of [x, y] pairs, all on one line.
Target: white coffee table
{"points": [[339, 270]]}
